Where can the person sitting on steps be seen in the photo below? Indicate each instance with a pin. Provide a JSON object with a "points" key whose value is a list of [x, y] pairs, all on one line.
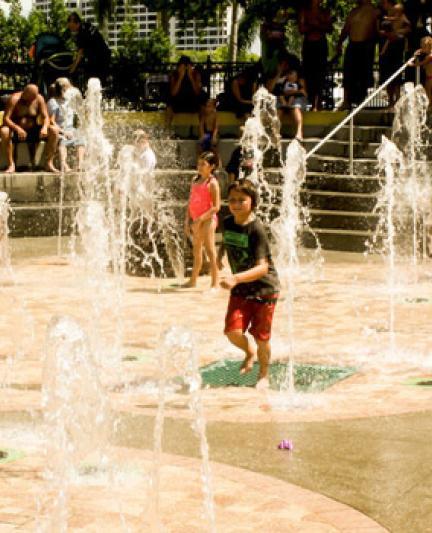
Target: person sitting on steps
{"points": [[26, 119]]}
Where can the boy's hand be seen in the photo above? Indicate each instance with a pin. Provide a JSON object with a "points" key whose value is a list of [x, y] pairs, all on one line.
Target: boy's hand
{"points": [[228, 282]]}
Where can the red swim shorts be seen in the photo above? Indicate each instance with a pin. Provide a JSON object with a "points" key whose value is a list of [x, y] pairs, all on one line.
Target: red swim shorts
{"points": [[255, 315]]}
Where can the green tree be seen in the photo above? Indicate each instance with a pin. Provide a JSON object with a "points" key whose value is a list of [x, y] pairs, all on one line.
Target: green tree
{"points": [[153, 50], [57, 17], [104, 10]]}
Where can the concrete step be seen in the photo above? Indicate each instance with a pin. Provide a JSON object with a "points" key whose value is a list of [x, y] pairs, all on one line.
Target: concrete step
{"points": [[342, 182], [343, 220], [363, 133], [339, 201], [337, 165], [341, 148], [371, 117], [340, 240]]}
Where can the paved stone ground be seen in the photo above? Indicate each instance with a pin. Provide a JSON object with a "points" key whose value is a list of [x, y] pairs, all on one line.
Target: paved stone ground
{"points": [[348, 456]]}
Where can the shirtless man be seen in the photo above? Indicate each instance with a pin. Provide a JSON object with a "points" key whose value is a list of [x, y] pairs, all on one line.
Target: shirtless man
{"points": [[24, 112], [361, 28]]}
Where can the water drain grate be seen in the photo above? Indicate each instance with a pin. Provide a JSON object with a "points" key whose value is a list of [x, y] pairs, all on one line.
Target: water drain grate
{"points": [[307, 377], [423, 381], [7, 455]]}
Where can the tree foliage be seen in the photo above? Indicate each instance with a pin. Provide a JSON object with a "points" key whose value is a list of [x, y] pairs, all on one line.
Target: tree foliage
{"points": [[17, 33], [133, 49]]}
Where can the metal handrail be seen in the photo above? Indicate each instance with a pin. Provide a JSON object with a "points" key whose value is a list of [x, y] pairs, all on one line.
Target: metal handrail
{"points": [[350, 118]]}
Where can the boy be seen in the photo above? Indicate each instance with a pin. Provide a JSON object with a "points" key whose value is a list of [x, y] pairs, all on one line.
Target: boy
{"points": [[253, 283], [208, 127]]}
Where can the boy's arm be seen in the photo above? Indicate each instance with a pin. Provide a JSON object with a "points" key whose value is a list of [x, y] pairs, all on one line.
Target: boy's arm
{"points": [[252, 274]]}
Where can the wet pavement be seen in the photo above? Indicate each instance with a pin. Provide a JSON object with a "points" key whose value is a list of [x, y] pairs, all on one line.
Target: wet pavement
{"points": [[361, 448]]}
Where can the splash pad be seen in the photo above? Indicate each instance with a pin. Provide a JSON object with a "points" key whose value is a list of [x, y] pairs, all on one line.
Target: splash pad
{"points": [[339, 313]]}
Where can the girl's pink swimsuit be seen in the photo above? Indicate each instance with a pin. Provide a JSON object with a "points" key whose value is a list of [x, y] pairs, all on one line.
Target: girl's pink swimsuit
{"points": [[200, 199]]}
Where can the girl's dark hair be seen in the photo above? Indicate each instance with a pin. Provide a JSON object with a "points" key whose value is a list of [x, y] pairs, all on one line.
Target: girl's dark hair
{"points": [[245, 187], [210, 157]]}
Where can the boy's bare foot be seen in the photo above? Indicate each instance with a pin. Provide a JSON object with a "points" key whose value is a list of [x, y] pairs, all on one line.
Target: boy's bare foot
{"points": [[262, 384], [66, 168], [247, 364], [10, 169]]}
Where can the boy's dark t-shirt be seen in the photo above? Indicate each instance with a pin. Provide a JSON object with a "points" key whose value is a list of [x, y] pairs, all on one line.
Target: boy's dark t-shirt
{"points": [[245, 245]]}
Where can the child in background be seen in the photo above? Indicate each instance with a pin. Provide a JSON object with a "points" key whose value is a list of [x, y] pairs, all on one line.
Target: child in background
{"points": [[144, 154], [201, 217], [424, 60], [62, 114], [208, 127], [293, 99], [253, 282]]}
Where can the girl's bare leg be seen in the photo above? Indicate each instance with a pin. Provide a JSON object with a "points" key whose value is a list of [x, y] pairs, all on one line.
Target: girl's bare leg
{"points": [[80, 157], [298, 121], [264, 352], [64, 167], [209, 229], [197, 247], [239, 339]]}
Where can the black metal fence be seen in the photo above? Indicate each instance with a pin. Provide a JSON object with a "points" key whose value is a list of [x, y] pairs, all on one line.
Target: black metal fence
{"points": [[142, 87]]}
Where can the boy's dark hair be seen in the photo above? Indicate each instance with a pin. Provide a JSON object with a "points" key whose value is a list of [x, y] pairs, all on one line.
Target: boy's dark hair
{"points": [[210, 157], [74, 17], [245, 187]]}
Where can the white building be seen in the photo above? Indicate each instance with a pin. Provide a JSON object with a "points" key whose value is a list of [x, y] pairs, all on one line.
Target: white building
{"points": [[184, 38]]}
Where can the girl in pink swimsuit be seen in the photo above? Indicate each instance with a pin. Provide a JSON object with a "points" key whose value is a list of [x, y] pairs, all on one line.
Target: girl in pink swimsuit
{"points": [[201, 217]]}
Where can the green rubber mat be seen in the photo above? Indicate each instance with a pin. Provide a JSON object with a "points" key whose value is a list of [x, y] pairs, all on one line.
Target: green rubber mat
{"points": [[8, 455], [226, 373], [425, 381]]}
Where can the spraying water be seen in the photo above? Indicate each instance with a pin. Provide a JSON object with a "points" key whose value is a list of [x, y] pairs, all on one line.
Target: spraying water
{"points": [[178, 357], [150, 242], [4, 232], [411, 135], [390, 161], [261, 132], [286, 229], [75, 413]]}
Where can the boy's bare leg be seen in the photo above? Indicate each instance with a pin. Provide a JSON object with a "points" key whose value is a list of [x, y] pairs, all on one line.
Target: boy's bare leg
{"points": [[264, 352], [239, 339]]}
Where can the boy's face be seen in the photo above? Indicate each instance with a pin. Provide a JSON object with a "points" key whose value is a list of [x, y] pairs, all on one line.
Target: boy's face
{"points": [[240, 204], [292, 76]]}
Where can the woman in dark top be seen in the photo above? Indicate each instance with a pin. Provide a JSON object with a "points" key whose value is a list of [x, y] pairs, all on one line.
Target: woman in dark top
{"points": [[314, 23], [241, 91], [93, 52]]}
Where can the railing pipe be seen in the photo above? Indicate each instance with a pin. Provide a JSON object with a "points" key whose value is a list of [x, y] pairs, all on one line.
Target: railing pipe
{"points": [[359, 108], [351, 147]]}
